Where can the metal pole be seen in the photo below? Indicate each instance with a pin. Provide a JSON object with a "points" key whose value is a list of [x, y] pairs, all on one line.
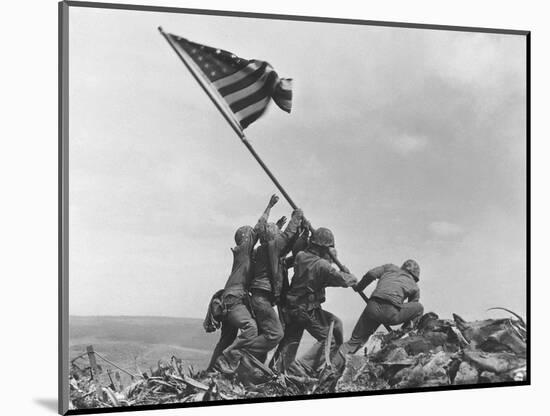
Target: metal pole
{"points": [[266, 170]]}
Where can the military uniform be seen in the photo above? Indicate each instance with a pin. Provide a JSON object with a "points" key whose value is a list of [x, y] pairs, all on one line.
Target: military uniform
{"points": [[266, 285], [312, 274], [386, 306], [239, 327]]}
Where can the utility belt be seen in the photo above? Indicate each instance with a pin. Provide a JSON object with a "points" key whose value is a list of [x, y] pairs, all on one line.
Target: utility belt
{"points": [[230, 301], [307, 301], [382, 301], [262, 293]]}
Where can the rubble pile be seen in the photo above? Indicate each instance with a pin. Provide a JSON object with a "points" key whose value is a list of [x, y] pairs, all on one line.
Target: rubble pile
{"points": [[436, 352], [168, 384], [441, 352]]}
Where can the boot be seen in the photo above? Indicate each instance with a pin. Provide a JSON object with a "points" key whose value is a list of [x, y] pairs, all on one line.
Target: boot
{"points": [[228, 362]]}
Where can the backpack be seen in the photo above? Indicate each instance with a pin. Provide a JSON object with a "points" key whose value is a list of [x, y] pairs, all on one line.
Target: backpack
{"points": [[215, 313]]}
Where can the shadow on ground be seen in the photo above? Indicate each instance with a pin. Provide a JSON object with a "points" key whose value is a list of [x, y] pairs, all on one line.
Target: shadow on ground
{"points": [[49, 404]]}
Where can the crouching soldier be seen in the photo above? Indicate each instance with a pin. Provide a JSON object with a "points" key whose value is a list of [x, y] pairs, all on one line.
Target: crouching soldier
{"points": [[386, 306], [238, 318], [313, 273]]}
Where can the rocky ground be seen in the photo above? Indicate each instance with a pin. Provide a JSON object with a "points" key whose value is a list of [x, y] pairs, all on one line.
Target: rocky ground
{"points": [[437, 352]]}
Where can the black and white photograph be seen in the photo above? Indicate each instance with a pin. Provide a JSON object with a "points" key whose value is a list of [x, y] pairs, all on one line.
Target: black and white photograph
{"points": [[265, 207]]}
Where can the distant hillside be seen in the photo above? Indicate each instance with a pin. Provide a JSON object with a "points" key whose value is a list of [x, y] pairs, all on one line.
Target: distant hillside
{"points": [[184, 332], [137, 343]]}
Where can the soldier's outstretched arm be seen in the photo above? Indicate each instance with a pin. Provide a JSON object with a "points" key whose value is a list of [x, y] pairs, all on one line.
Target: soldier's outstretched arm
{"points": [[336, 278], [370, 277], [301, 241], [292, 227], [265, 215], [286, 239]]}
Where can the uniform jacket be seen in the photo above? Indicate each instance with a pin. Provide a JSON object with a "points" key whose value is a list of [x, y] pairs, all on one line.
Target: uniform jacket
{"points": [[312, 274], [395, 285], [269, 269], [239, 278]]}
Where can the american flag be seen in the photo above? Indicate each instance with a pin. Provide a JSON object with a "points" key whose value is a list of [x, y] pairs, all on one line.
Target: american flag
{"points": [[245, 85]]}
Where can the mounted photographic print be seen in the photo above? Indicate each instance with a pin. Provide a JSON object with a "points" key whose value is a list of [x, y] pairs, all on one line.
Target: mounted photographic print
{"points": [[267, 207]]}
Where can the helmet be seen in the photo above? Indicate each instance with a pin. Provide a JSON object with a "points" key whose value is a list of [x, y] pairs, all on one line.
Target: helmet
{"points": [[412, 267], [271, 231], [242, 233], [322, 237]]}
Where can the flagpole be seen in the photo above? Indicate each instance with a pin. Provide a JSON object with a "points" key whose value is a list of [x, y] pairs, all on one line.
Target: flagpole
{"points": [[222, 107], [266, 169]]}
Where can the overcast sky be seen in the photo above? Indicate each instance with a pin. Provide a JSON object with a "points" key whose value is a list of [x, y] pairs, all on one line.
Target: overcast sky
{"points": [[407, 143]]}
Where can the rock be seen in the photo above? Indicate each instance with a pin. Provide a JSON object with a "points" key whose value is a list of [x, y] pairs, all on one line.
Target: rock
{"points": [[466, 374], [504, 340], [402, 377], [428, 321], [396, 355], [426, 343], [519, 374], [492, 335], [489, 377], [409, 377], [436, 369], [373, 345], [497, 362]]}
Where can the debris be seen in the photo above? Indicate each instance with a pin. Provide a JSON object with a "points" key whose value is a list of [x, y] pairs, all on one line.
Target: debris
{"points": [[440, 352], [437, 352], [466, 374]]}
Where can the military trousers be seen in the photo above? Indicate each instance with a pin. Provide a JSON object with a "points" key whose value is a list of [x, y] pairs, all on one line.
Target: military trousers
{"points": [[377, 312], [316, 322], [270, 329], [238, 319]]}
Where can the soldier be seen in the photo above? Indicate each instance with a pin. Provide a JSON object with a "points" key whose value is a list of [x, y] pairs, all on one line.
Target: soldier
{"points": [[313, 272], [386, 305], [235, 297], [269, 275]]}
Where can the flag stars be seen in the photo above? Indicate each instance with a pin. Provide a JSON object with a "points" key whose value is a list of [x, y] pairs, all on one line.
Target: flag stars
{"points": [[200, 58], [213, 73], [218, 51], [193, 50]]}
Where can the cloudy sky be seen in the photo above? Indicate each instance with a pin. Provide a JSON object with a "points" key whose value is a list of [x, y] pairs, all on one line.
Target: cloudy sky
{"points": [[405, 142]]}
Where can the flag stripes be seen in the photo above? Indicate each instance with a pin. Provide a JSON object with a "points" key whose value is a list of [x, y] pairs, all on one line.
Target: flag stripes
{"points": [[247, 78], [238, 76], [246, 86]]}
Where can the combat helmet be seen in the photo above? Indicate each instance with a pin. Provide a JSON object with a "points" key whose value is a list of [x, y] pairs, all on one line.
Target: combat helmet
{"points": [[242, 233], [412, 267], [322, 237]]}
